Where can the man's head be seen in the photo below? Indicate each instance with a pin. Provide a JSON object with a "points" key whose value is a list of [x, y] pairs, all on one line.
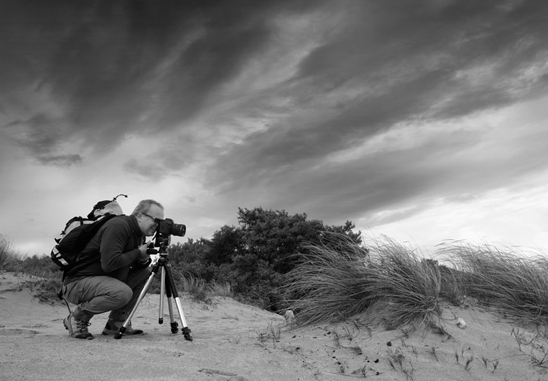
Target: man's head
{"points": [[148, 212]]}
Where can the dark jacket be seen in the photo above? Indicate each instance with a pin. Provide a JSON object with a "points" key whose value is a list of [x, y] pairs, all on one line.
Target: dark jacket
{"points": [[115, 247]]}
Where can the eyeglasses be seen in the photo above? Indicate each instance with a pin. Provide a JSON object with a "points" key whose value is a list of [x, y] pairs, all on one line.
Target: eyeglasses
{"points": [[156, 220]]}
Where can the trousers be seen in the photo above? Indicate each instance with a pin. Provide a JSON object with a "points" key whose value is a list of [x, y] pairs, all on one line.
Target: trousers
{"points": [[99, 294]]}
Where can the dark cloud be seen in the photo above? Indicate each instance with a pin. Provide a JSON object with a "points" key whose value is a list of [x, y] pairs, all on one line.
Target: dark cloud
{"points": [[61, 160], [125, 66], [42, 135], [133, 66]]}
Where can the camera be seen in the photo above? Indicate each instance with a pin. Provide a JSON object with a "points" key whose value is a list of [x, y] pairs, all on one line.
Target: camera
{"points": [[166, 228]]}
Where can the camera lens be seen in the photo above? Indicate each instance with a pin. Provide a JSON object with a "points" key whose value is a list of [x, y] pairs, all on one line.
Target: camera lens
{"points": [[178, 230]]}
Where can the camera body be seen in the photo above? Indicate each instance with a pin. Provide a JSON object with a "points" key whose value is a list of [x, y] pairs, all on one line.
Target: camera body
{"points": [[166, 228]]}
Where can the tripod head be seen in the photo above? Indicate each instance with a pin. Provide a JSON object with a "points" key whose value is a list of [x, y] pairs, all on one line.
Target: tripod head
{"points": [[162, 247], [163, 233]]}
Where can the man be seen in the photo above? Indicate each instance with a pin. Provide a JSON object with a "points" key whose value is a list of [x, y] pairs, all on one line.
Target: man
{"points": [[114, 282]]}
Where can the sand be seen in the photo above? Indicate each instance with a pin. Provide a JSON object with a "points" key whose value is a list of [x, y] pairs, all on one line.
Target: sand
{"points": [[237, 342]]}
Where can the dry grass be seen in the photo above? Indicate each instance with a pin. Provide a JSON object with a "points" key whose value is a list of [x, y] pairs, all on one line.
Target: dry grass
{"points": [[390, 283], [333, 285], [330, 284], [8, 260], [511, 281], [202, 291]]}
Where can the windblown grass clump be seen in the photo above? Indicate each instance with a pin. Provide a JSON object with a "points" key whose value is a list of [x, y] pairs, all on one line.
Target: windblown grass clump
{"points": [[330, 284], [387, 280], [408, 287], [390, 283], [515, 283], [202, 291], [8, 260]]}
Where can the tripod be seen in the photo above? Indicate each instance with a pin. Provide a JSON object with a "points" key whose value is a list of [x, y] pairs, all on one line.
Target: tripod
{"points": [[167, 287]]}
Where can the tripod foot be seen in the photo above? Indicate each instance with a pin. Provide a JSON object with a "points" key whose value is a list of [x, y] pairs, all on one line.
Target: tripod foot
{"points": [[118, 335], [174, 327], [186, 333]]}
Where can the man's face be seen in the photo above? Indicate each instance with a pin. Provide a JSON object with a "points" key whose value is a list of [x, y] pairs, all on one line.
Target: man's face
{"points": [[148, 221]]}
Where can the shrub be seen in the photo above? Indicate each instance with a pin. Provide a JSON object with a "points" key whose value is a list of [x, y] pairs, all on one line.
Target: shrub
{"points": [[253, 257]]}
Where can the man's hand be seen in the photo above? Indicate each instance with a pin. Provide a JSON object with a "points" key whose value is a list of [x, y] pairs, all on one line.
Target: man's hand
{"points": [[144, 256], [144, 259]]}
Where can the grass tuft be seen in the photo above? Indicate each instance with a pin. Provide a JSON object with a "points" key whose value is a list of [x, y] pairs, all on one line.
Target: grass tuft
{"points": [[387, 280], [507, 280], [390, 283]]}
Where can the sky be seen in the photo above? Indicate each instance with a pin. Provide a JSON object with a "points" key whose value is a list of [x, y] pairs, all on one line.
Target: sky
{"points": [[424, 121]]}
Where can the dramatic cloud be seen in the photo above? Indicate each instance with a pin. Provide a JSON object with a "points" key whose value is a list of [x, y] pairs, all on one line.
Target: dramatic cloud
{"points": [[127, 67]]}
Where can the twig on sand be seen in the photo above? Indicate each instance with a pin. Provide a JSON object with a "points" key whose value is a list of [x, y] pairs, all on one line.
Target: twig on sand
{"points": [[220, 372]]}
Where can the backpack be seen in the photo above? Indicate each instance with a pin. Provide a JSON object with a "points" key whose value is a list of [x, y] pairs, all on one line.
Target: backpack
{"points": [[78, 231]]}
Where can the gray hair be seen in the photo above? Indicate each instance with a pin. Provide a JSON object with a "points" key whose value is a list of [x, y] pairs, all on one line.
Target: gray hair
{"points": [[144, 206]]}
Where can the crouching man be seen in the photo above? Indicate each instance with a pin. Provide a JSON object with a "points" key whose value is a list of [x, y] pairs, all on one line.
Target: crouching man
{"points": [[113, 283]]}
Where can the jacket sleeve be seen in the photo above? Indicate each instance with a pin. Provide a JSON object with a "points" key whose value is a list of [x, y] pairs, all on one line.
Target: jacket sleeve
{"points": [[114, 240]]}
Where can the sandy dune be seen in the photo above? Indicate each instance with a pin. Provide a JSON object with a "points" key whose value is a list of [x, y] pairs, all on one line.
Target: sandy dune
{"points": [[233, 341]]}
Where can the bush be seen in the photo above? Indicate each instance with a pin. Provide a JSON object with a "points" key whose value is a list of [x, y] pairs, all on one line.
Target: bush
{"points": [[253, 257]]}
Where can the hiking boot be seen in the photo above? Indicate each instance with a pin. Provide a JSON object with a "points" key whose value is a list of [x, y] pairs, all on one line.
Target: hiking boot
{"points": [[77, 324], [113, 327]]}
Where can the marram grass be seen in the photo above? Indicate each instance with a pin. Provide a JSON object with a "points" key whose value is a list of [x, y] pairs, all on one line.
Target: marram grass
{"points": [[389, 283], [511, 281]]}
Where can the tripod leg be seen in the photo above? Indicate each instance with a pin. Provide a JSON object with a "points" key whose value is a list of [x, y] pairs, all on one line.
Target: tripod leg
{"points": [[141, 296], [171, 284], [173, 323], [185, 330], [162, 293]]}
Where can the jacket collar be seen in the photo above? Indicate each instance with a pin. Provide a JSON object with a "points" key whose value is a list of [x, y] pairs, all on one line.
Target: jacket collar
{"points": [[134, 224]]}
